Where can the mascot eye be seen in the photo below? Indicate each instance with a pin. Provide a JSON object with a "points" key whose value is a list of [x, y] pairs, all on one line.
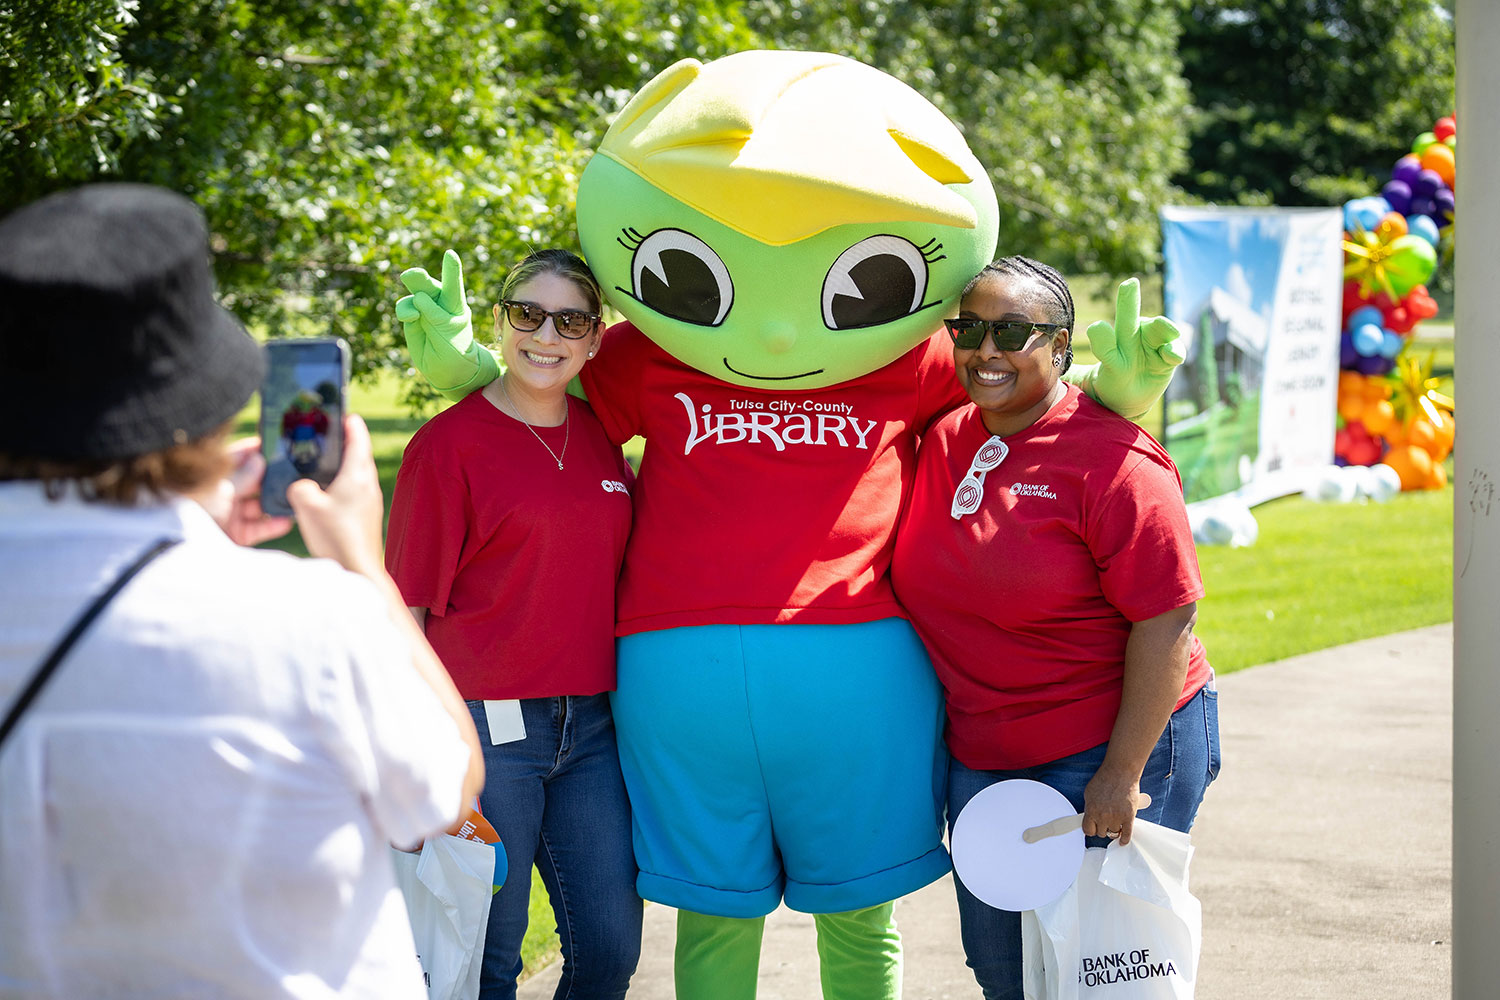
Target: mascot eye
{"points": [[877, 280], [678, 275]]}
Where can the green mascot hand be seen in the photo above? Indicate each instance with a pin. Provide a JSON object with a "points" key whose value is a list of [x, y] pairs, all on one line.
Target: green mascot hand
{"points": [[440, 331], [1135, 358]]}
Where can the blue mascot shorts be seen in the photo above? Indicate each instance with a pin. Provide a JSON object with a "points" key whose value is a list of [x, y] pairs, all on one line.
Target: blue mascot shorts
{"points": [[762, 760]]}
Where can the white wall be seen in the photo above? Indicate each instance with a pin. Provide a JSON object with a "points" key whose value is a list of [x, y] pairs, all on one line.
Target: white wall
{"points": [[1476, 521]]}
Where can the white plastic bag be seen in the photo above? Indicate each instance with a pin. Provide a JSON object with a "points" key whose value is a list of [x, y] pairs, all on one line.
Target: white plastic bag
{"points": [[1128, 929], [447, 889]]}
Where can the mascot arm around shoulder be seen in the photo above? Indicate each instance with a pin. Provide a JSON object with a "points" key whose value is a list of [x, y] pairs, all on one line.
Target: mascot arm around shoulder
{"points": [[1136, 356]]}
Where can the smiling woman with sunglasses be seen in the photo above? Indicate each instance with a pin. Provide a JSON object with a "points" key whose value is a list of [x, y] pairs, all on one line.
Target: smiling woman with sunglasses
{"points": [[1046, 562], [507, 529]]}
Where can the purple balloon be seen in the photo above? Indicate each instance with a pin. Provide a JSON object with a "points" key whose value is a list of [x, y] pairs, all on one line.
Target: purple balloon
{"points": [[1398, 193], [1422, 206], [1445, 202], [1426, 185], [1347, 354], [1373, 365], [1340, 461], [1407, 168]]}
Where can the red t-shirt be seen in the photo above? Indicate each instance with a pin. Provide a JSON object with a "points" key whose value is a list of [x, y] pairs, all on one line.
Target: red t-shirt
{"points": [[1025, 605], [515, 560], [763, 506]]}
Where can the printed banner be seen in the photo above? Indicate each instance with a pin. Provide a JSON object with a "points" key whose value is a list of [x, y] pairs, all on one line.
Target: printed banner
{"points": [[1251, 411]]}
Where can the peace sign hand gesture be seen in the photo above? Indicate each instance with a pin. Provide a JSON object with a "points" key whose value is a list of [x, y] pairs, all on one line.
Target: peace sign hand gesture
{"points": [[440, 331], [1136, 358]]}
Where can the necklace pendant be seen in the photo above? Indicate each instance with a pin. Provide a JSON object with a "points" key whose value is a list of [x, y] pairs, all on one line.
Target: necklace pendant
{"points": [[559, 466]]}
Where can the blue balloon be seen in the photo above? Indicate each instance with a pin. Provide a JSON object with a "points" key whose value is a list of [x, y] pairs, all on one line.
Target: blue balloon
{"points": [[1364, 213], [1364, 315], [1392, 344], [1368, 339], [1423, 226]]}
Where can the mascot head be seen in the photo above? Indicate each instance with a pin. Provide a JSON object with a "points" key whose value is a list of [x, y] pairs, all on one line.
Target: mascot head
{"points": [[784, 220]]}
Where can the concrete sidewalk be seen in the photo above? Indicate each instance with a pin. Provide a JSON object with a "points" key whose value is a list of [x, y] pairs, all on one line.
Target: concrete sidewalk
{"points": [[1323, 851]]}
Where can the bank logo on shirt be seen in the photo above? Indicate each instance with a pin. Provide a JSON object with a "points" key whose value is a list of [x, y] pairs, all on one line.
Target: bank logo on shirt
{"points": [[613, 486], [780, 421], [1033, 490]]}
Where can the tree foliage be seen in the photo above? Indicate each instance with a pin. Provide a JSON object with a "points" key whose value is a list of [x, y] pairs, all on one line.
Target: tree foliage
{"points": [[334, 143], [1310, 102]]}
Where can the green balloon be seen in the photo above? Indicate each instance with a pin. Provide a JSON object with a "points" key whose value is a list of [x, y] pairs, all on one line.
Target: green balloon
{"points": [[1410, 263], [1422, 141]]}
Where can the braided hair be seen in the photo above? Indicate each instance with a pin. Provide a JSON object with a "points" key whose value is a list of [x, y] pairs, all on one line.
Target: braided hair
{"points": [[1057, 302]]}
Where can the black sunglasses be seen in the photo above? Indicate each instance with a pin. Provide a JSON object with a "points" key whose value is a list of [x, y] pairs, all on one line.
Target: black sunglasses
{"points": [[575, 324], [1009, 334]]}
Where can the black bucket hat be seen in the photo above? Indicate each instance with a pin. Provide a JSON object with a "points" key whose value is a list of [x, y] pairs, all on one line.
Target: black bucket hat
{"points": [[111, 342]]}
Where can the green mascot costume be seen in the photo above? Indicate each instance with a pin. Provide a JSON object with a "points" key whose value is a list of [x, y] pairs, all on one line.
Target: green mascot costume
{"points": [[784, 233]]}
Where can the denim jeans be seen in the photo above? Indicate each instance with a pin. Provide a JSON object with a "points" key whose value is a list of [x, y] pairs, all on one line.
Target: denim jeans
{"points": [[1181, 767], [557, 800]]}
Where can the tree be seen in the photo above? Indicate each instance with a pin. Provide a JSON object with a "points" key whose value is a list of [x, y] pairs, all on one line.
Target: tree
{"points": [[1310, 102], [333, 144]]}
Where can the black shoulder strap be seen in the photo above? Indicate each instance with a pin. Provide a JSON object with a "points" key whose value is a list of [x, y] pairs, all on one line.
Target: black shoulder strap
{"points": [[49, 665]]}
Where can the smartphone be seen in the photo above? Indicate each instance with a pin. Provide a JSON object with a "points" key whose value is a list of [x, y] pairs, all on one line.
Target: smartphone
{"points": [[302, 405]]}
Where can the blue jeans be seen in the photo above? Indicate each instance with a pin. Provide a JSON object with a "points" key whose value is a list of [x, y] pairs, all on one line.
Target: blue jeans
{"points": [[1181, 767], [557, 799]]}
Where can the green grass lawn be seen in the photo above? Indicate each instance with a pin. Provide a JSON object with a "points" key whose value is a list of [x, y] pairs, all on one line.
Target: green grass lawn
{"points": [[1319, 575]]}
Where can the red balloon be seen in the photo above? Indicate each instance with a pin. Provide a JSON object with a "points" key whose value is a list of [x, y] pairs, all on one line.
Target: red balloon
{"points": [[1354, 297], [1420, 304], [1444, 127], [1366, 452], [1399, 319]]}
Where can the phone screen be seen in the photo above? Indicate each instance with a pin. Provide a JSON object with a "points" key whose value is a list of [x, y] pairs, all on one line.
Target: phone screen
{"points": [[302, 405]]}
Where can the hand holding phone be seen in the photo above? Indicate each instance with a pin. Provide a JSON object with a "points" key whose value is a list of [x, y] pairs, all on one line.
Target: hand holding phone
{"points": [[238, 509], [343, 522], [302, 405]]}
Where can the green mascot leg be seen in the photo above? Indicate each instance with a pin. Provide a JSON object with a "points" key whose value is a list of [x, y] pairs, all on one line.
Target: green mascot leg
{"points": [[718, 958], [860, 954]]}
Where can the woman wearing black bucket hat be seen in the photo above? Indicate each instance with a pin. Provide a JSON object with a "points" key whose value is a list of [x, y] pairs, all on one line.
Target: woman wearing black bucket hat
{"points": [[206, 748]]}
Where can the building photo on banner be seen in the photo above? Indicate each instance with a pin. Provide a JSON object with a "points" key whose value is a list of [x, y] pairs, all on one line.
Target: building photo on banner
{"points": [[1250, 415]]}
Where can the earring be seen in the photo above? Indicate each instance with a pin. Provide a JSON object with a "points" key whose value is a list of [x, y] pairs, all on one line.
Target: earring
{"points": [[591, 354], [1056, 361]]}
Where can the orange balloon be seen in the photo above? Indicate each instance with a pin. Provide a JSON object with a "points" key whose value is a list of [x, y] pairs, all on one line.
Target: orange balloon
{"points": [[1391, 226], [1351, 405], [1412, 465], [1439, 159], [1421, 434], [1378, 417], [1438, 478], [1445, 430]]}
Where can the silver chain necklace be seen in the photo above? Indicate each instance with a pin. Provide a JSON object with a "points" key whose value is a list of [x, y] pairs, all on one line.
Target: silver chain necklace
{"points": [[567, 416]]}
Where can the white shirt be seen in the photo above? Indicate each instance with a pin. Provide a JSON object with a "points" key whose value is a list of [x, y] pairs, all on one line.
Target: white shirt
{"points": [[199, 804]]}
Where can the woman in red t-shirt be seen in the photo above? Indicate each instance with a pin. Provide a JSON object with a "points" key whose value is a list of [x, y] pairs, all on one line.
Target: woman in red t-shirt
{"points": [[507, 529], [1046, 561]]}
